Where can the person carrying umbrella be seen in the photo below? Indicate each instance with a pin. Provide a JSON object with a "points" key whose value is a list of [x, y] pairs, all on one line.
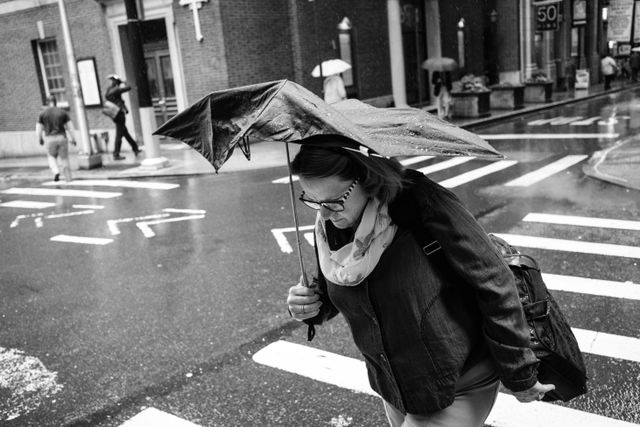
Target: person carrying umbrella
{"points": [[438, 329], [438, 332], [441, 81]]}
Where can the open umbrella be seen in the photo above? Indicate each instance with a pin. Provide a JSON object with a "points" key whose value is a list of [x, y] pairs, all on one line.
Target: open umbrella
{"points": [[331, 67], [287, 112], [440, 64]]}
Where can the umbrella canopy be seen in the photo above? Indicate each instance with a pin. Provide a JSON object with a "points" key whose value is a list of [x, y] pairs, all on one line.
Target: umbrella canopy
{"points": [[440, 64], [287, 112], [331, 67]]}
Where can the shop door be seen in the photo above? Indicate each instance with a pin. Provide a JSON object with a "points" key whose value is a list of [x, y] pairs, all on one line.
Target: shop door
{"points": [[163, 94]]}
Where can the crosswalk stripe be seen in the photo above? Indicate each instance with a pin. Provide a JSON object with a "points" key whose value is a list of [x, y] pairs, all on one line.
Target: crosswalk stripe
{"points": [[116, 183], [285, 180], [445, 165], [546, 171], [155, 417], [62, 192], [414, 160], [608, 345], [582, 221], [351, 374], [494, 137], [571, 245], [477, 173], [584, 285]]}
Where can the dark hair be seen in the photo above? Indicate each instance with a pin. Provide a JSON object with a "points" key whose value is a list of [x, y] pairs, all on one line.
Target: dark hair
{"points": [[325, 157]]}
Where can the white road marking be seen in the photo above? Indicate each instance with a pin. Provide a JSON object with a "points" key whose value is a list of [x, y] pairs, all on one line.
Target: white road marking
{"points": [[87, 206], [351, 374], [564, 120], [281, 239], [26, 382], [19, 218], [584, 285], [309, 237], [540, 122], [187, 211], [582, 221], [414, 160], [495, 137], [27, 204], [66, 214], [148, 232], [154, 417], [113, 223], [608, 345], [585, 122], [477, 173], [285, 180], [117, 183], [445, 165], [61, 192], [571, 245], [546, 171], [80, 239]]}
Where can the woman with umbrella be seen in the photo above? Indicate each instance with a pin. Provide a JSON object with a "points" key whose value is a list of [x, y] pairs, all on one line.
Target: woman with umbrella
{"points": [[438, 332], [441, 80], [438, 329]]}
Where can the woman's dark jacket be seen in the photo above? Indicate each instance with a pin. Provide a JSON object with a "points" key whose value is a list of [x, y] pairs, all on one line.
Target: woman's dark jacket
{"points": [[421, 320]]}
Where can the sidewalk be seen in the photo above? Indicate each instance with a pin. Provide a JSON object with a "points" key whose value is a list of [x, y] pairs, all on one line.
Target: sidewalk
{"points": [[186, 161]]}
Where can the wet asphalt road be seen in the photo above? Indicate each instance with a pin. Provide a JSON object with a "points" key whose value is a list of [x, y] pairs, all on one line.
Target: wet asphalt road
{"points": [[171, 321]]}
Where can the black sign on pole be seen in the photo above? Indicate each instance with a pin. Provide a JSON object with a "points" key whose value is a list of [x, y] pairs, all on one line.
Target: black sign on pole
{"points": [[547, 16]]}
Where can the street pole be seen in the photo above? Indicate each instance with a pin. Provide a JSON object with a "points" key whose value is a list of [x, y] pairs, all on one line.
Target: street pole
{"points": [[318, 53], [86, 159], [152, 160]]}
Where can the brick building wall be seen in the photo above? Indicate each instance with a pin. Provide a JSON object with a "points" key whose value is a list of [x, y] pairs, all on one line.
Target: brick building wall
{"points": [[19, 77]]}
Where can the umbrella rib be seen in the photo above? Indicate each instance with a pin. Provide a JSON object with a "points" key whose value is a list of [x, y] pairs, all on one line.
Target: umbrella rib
{"points": [[295, 219]]}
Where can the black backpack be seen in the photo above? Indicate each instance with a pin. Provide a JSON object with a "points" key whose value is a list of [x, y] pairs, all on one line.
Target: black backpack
{"points": [[552, 341]]}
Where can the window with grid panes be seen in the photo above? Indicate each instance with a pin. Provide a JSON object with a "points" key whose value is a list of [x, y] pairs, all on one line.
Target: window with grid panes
{"points": [[51, 70]]}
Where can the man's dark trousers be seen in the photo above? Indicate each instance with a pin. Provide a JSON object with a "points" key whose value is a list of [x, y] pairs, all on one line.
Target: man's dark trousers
{"points": [[121, 130]]}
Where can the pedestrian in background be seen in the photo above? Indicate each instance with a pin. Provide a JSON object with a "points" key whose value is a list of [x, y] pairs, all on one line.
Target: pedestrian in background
{"points": [[114, 94], [570, 74], [441, 81], [635, 65], [334, 90], [437, 341], [609, 69], [54, 130]]}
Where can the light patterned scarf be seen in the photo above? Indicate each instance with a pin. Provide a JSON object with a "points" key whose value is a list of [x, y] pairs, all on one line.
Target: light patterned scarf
{"points": [[352, 263]]}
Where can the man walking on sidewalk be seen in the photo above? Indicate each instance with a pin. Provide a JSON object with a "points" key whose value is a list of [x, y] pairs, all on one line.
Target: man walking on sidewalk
{"points": [[114, 94], [51, 130], [609, 70]]}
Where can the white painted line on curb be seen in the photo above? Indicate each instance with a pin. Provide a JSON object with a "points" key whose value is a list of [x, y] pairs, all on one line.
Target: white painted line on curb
{"points": [[582, 221], [351, 374], [61, 192], [584, 285], [546, 171], [477, 173], [121, 183], [445, 165], [152, 417], [79, 239], [571, 245], [27, 204], [494, 137]]}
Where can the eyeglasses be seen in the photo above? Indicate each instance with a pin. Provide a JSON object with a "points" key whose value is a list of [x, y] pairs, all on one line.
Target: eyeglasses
{"points": [[336, 205]]}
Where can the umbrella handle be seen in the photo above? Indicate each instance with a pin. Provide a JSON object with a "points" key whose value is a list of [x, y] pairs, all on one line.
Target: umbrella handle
{"points": [[304, 281]]}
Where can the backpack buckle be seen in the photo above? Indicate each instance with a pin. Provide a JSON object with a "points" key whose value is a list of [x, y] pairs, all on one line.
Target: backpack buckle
{"points": [[431, 248]]}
